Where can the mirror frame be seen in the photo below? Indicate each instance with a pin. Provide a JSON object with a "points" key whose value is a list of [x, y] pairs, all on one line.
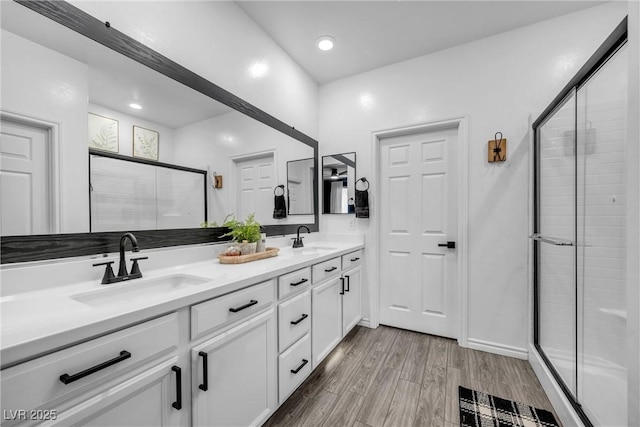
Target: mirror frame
{"points": [[52, 246]]}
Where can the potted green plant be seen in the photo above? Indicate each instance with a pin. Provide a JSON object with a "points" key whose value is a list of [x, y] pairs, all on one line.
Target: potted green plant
{"points": [[246, 234]]}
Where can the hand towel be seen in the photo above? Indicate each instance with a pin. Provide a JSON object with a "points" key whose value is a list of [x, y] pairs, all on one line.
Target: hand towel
{"points": [[279, 204], [362, 201]]}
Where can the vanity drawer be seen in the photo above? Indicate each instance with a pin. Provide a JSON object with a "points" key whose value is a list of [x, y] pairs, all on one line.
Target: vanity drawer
{"points": [[326, 270], [352, 259], [230, 308], [292, 368], [87, 365], [294, 319], [293, 282]]}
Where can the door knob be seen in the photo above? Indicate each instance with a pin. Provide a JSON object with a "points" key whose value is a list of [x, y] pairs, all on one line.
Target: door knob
{"points": [[448, 245]]}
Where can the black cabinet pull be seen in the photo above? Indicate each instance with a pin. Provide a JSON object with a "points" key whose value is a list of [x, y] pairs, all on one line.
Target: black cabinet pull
{"points": [[355, 259], [329, 270], [295, 322], [242, 307], [67, 379], [348, 283], [299, 283], [304, 362], [448, 245], [178, 403], [205, 375], [342, 288]]}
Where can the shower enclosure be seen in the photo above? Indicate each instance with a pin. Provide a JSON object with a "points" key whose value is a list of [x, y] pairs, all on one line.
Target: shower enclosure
{"points": [[580, 236]]}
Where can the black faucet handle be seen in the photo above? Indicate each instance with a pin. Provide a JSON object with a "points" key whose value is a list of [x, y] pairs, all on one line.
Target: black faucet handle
{"points": [[108, 272], [97, 264], [135, 268]]}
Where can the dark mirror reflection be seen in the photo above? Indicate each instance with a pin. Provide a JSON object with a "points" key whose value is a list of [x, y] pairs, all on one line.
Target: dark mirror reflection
{"points": [[338, 183]]}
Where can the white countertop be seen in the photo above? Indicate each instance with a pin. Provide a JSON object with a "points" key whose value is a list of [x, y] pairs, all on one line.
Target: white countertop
{"points": [[39, 321]]}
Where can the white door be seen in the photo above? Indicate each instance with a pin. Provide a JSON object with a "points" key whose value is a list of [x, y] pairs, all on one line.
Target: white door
{"points": [[254, 192], [24, 180], [418, 214], [295, 204]]}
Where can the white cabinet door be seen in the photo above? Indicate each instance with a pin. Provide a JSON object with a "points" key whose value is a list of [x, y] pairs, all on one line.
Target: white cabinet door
{"points": [[148, 399], [234, 375], [326, 328], [352, 299]]}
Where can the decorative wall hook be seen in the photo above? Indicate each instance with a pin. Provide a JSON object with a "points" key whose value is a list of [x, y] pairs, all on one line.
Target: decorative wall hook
{"points": [[497, 149], [216, 180]]}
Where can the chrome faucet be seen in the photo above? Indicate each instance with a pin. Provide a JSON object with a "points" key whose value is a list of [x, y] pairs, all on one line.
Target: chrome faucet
{"points": [[297, 241], [109, 277]]}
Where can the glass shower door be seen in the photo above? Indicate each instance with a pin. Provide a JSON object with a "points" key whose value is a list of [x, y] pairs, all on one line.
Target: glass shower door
{"points": [[601, 250], [555, 238]]}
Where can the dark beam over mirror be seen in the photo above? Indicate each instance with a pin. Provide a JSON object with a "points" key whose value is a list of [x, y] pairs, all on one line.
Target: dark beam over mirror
{"points": [[41, 247]]}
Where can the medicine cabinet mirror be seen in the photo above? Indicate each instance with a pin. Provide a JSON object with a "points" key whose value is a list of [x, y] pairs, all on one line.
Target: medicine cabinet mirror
{"points": [[96, 69], [338, 183]]}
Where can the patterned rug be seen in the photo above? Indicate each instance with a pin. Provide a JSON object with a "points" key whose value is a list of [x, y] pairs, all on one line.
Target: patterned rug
{"points": [[479, 409]]}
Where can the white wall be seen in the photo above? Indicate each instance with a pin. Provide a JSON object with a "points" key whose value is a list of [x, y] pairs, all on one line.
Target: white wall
{"points": [[501, 83], [125, 132], [42, 84], [221, 43]]}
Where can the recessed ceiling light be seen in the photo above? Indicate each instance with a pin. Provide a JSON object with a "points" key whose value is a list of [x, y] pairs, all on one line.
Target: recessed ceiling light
{"points": [[135, 106], [325, 42], [258, 69]]}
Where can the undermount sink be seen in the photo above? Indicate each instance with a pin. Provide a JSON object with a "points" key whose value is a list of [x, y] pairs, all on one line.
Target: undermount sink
{"points": [[322, 248], [138, 289], [311, 250]]}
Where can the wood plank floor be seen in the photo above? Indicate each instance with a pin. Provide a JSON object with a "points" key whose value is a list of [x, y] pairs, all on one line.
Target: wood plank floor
{"points": [[393, 377]]}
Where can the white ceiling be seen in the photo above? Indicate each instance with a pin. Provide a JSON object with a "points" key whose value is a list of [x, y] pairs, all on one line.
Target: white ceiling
{"points": [[372, 34]]}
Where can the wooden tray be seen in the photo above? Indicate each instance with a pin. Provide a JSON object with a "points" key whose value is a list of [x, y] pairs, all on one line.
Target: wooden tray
{"points": [[268, 253]]}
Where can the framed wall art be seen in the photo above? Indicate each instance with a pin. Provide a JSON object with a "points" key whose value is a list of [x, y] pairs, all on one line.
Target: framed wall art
{"points": [[103, 133], [145, 143]]}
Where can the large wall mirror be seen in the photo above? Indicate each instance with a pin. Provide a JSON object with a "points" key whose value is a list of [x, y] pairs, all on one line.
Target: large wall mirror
{"points": [[338, 183], [301, 182], [194, 124], [135, 194]]}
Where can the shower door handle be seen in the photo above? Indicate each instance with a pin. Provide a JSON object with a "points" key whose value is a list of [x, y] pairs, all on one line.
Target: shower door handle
{"points": [[557, 242]]}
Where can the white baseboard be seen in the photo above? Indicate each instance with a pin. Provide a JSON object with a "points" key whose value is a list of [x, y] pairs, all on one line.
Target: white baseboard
{"points": [[365, 322], [492, 347], [561, 404]]}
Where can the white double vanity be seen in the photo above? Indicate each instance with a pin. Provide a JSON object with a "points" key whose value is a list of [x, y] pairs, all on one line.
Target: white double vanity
{"points": [[193, 342]]}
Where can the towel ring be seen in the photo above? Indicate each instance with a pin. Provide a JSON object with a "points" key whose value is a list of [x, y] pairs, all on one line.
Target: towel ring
{"points": [[363, 179], [275, 190]]}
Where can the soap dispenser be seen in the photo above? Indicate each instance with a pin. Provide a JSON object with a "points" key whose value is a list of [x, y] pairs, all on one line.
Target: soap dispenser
{"points": [[262, 243]]}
